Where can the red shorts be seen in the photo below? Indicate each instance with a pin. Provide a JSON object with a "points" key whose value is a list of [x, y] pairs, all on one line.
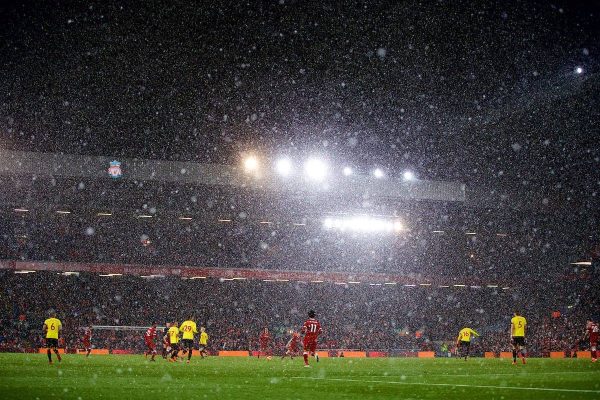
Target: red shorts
{"points": [[310, 345], [150, 345], [87, 344], [293, 347], [594, 344]]}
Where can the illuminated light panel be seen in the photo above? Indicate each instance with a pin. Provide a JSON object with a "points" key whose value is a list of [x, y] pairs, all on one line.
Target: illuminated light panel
{"points": [[198, 277], [69, 273], [239, 279], [459, 285], [224, 220], [444, 286], [63, 212], [24, 272], [185, 218], [505, 288], [424, 284], [266, 222], [347, 171], [21, 210], [501, 234], [268, 280], [374, 284], [579, 70], [353, 282], [378, 173], [492, 286], [298, 224], [282, 280], [390, 283], [152, 276], [438, 231], [110, 274], [475, 287], [340, 283], [470, 233], [410, 285], [144, 216], [104, 214], [317, 281], [582, 263], [363, 224]]}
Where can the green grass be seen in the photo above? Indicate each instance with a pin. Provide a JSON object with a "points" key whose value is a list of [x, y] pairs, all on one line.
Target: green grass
{"points": [[132, 377]]}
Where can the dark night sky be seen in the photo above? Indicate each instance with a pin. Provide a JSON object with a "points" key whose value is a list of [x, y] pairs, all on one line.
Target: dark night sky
{"points": [[483, 92]]}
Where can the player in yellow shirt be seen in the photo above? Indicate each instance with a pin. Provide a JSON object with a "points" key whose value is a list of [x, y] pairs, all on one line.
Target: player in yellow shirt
{"points": [[173, 334], [52, 328], [518, 326], [463, 341], [189, 329], [203, 342]]}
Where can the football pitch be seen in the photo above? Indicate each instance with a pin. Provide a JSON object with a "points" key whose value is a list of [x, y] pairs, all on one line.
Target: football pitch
{"points": [[28, 376]]}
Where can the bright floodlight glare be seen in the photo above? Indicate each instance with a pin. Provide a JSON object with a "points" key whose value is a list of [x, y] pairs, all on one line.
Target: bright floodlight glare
{"points": [[408, 176], [283, 167], [348, 171], [378, 173], [250, 164], [315, 169], [579, 70]]}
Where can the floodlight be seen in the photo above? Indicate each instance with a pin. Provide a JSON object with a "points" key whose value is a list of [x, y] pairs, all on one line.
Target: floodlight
{"points": [[378, 173], [283, 167], [315, 169], [408, 176]]}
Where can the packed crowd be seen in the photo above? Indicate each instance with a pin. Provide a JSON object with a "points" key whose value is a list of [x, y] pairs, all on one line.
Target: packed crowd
{"points": [[389, 318]]}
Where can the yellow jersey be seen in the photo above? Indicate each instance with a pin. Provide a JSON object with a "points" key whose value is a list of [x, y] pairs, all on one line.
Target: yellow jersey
{"points": [[518, 326], [173, 335], [53, 326], [203, 338], [188, 328], [465, 334]]}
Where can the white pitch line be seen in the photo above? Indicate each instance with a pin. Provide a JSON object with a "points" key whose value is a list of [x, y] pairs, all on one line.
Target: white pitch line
{"points": [[450, 384], [516, 374]]}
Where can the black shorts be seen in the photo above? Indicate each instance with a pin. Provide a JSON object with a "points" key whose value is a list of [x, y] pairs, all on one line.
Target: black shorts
{"points": [[51, 342], [518, 341], [464, 343], [187, 343], [201, 347], [174, 346]]}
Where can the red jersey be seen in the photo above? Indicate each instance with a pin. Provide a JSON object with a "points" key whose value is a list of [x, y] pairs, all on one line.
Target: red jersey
{"points": [[311, 329], [293, 342], [264, 339], [150, 334], [593, 332], [87, 335]]}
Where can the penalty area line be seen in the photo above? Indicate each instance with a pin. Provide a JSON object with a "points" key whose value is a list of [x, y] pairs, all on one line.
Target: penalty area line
{"points": [[450, 385]]}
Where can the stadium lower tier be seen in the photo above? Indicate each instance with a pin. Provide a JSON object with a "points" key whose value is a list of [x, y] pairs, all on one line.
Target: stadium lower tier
{"points": [[367, 318]]}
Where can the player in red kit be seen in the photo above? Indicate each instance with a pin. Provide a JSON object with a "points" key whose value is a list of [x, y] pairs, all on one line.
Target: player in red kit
{"points": [[593, 331], [311, 330], [87, 340], [292, 346], [265, 339], [149, 337]]}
